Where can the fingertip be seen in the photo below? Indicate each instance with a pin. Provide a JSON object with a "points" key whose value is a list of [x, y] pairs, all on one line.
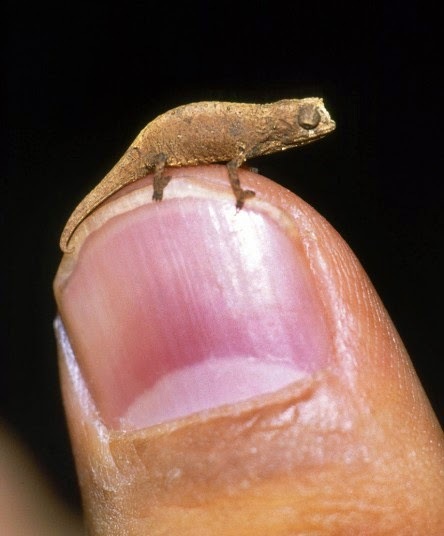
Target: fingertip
{"points": [[345, 422]]}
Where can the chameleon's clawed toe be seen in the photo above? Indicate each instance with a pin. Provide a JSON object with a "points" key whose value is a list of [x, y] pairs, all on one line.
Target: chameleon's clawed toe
{"points": [[242, 197]]}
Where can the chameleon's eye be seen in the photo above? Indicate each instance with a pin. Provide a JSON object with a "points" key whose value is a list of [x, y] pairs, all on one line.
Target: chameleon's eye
{"points": [[309, 117]]}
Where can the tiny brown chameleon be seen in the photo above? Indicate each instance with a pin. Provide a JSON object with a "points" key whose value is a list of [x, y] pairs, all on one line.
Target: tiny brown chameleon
{"points": [[206, 133]]}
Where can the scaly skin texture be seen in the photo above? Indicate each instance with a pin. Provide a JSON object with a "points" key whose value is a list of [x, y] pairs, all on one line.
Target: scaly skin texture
{"points": [[206, 133]]}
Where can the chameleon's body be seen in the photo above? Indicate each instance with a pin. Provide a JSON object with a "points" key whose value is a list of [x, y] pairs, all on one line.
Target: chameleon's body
{"points": [[205, 133]]}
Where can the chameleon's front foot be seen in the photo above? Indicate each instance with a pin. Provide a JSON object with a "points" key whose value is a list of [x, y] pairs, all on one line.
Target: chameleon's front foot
{"points": [[240, 194]]}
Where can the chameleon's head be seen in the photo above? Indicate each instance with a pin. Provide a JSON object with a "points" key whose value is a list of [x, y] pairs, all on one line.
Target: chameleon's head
{"points": [[302, 121], [312, 120], [291, 123]]}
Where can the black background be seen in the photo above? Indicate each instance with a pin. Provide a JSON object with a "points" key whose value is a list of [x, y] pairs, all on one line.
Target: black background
{"points": [[80, 81]]}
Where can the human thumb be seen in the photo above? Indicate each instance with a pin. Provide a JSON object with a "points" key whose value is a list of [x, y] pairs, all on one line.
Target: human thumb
{"points": [[234, 372]]}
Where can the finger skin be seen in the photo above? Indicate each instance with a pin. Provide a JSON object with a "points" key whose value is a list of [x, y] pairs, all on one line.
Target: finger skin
{"points": [[353, 449]]}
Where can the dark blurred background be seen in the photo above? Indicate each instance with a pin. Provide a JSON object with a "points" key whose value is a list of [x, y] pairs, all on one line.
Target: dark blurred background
{"points": [[80, 81]]}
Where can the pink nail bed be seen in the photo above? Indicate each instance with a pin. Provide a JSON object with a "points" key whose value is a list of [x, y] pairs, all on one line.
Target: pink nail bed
{"points": [[186, 305]]}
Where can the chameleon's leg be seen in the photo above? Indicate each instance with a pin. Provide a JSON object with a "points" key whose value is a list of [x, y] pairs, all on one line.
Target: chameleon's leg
{"points": [[240, 194], [160, 181]]}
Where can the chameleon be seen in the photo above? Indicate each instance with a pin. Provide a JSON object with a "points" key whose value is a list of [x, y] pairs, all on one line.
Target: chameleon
{"points": [[206, 133]]}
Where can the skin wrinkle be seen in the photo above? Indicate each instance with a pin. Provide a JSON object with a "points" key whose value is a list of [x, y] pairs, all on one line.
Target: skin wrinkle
{"points": [[344, 331], [204, 475]]}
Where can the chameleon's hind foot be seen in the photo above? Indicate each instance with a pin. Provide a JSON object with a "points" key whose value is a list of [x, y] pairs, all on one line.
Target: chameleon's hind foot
{"points": [[160, 181], [159, 186]]}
